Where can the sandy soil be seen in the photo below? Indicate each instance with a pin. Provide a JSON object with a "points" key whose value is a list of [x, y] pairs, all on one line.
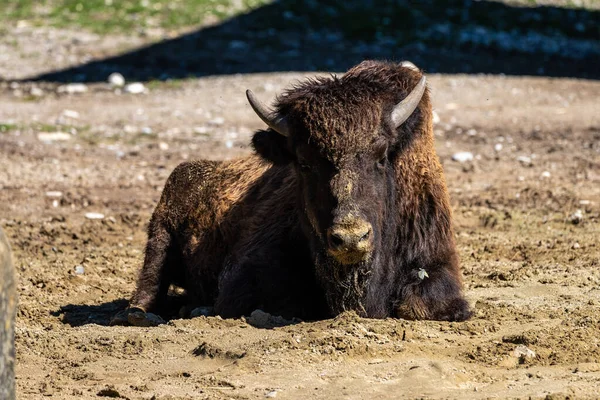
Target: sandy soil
{"points": [[527, 216]]}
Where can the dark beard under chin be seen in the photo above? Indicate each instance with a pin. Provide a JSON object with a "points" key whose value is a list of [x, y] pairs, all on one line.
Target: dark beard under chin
{"points": [[345, 286]]}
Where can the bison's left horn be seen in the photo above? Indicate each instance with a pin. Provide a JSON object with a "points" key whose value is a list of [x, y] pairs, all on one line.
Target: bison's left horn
{"points": [[274, 122], [406, 107]]}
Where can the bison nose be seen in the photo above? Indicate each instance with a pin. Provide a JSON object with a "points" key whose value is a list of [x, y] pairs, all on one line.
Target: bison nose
{"points": [[350, 238]]}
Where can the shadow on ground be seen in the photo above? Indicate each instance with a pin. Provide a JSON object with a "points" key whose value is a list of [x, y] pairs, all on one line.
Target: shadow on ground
{"points": [[453, 36], [83, 314]]}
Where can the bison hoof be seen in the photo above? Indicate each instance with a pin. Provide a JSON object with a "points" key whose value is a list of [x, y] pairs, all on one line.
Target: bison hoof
{"points": [[457, 310], [134, 316]]}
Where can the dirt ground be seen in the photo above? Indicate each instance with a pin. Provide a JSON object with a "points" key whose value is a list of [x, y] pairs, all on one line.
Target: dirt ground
{"points": [[527, 217]]}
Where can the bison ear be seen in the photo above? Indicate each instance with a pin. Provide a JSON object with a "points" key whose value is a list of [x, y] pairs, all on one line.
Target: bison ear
{"points": [[272, 146]]}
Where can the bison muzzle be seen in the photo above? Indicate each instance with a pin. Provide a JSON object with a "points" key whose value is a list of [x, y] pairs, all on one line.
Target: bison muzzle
{"points": [[343, 207]]}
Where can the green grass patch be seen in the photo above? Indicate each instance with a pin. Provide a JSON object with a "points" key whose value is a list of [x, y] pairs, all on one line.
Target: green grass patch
{"points": [[120, 16], [7, 127]]}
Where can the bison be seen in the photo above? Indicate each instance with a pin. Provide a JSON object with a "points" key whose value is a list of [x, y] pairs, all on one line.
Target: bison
{"points": [[8, 304], [343, 206]]}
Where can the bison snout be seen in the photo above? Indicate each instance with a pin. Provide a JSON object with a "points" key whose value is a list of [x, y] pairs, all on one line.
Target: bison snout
{"points": [[350, 242]]}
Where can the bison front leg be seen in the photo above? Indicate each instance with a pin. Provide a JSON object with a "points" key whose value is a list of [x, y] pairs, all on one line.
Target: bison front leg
{"points": [[435, 294], [153, 281]]}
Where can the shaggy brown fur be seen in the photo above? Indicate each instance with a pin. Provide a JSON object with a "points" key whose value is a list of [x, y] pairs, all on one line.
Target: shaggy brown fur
{"points": [[341, 215], [8, 306]]}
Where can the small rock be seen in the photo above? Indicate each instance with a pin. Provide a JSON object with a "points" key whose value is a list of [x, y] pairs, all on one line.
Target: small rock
{"points": [[116, 79], [201, 130], [229, 144], [146, 130], [70, 114], [54, 193], [462, 156], [163, 146], [94, 215], [525, 161], [272, 394], [436, 118], [585, 202], [202, 311], [36, 92], [72, 88], [576, 245], [217, 121], [498, 147], [135, 88], [144, 319], [79, 270], [259, 318], [576, 217], [523, 352], [53, 136], [546, 174]]}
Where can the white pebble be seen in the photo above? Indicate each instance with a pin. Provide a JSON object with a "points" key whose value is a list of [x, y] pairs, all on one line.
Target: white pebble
{"points": [[229, 144], [272, 394], [147, 130], [462, 156], [70, 114], [135, 88], [498, 147], [79, 270], [94, 215], [53, 136], [54, 193], [116, 79], [436, 118], [546, 174], [36, 92], [576, 217], [72, 88], [524, 160], [217, 121], [163, 146], [576, 245], [523, 351]]}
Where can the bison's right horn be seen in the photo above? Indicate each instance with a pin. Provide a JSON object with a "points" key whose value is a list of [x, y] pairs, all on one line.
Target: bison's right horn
{"points": [[274, 122], [409, 65], [406, 107]]}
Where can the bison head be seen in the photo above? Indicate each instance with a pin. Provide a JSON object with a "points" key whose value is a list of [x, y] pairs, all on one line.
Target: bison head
{"points": [[343, 137]]}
